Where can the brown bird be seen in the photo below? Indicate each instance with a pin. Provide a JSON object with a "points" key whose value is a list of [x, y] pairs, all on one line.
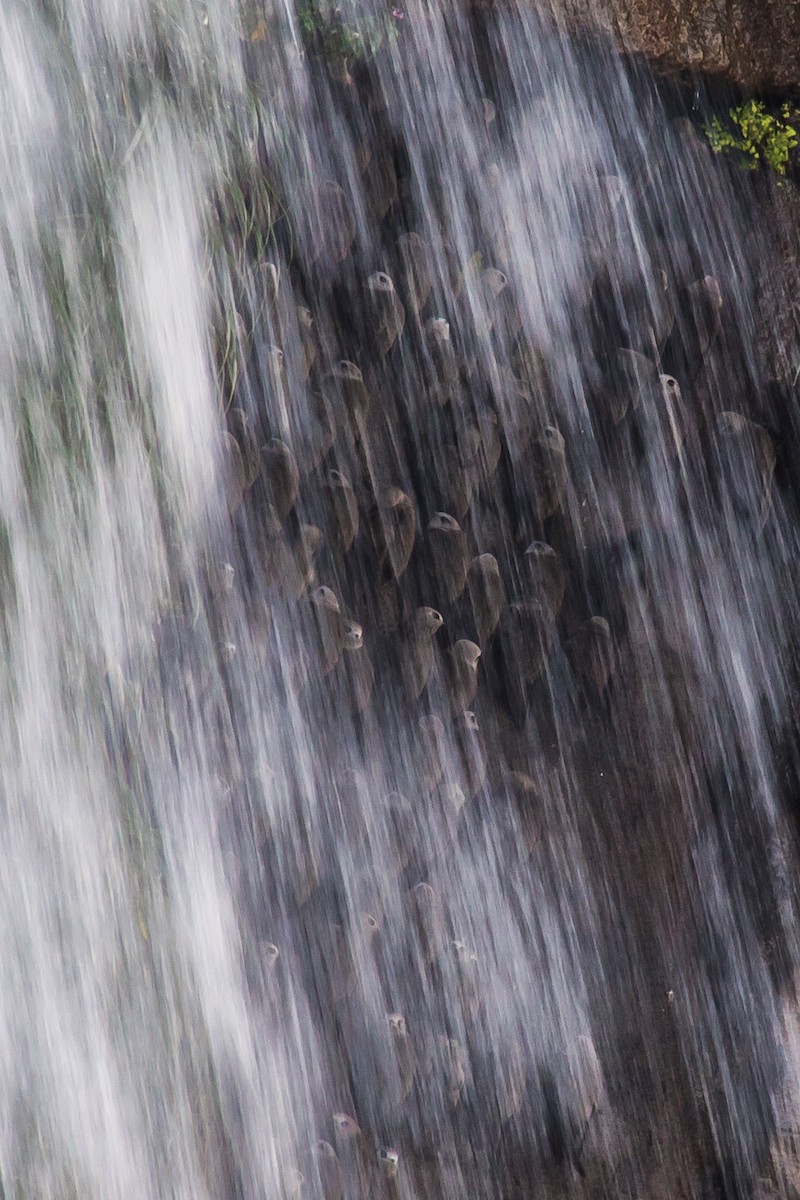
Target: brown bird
{"points": [[531, 367], [609, 190], [746, 456], [588, 1099], [508, 313], [239, 425], [341, 515], [292, 1183], [275, 551], [665, 418], [573, 1095], [527, 811], [388, 314], [304, 552], [503, 223], [489, 525], [394, 525], [345, 386], [510, 1078], [486, 593], [363, 154], [347, 1134], [526, 632], [544, 473], [456, 482], [427, 920], [449, 555], [478, 440], [302, 866], [220, 579], [312, 428], [277, 390], [591, 1084], [373, 885], [380, 181], [339, 967], [233, 472], [543, 577], [281, 476], [489, 287], [417, 653], [461, 674], [698, 321], [269, 986], [471, 752], [468, 983], [289, 566], [706, 303], [632, 309], [329, 1171], [387, 1160], [454, 260], [405, 1055], [401, 825], [443, 362], [450, 800], [353, 1149], [691, 142], [328, 626], [431, 747], [661, 310], [370, 927], [308, 342], [356, 666], [347, 810], [591, 653], [416, 274], [332, 224], [516, 400], [634, 376], [447, 1073], [267, 288]]}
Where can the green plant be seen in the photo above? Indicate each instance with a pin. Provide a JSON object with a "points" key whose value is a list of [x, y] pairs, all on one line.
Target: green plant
{"points": [[329, 33], [758, 137]]}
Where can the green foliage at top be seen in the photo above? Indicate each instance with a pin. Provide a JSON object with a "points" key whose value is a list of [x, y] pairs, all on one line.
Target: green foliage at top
{"points": [[759, 138], [330, 33]]}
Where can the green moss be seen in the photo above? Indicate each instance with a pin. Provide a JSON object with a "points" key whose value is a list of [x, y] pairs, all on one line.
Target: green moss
{"points": [[756, 136]]}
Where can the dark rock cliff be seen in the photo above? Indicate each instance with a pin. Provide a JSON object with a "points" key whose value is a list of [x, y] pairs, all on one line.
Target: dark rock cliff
{"points": [[755, 42]]}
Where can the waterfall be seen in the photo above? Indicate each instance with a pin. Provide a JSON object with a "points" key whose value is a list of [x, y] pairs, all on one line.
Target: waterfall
{"points": [[301, 312]]}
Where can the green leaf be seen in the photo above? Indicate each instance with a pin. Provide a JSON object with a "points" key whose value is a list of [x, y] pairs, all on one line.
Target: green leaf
{"points": [[761, 137]]}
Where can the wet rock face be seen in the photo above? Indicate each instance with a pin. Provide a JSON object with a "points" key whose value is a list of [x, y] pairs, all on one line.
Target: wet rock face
{"points": [[779, 286], [755, 42]]}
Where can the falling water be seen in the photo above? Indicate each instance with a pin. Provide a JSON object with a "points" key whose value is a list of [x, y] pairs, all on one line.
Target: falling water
{"points": [[265, 885]]}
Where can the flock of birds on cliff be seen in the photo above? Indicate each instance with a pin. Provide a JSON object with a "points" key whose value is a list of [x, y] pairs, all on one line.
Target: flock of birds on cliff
{"points": [[414, 554]]}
